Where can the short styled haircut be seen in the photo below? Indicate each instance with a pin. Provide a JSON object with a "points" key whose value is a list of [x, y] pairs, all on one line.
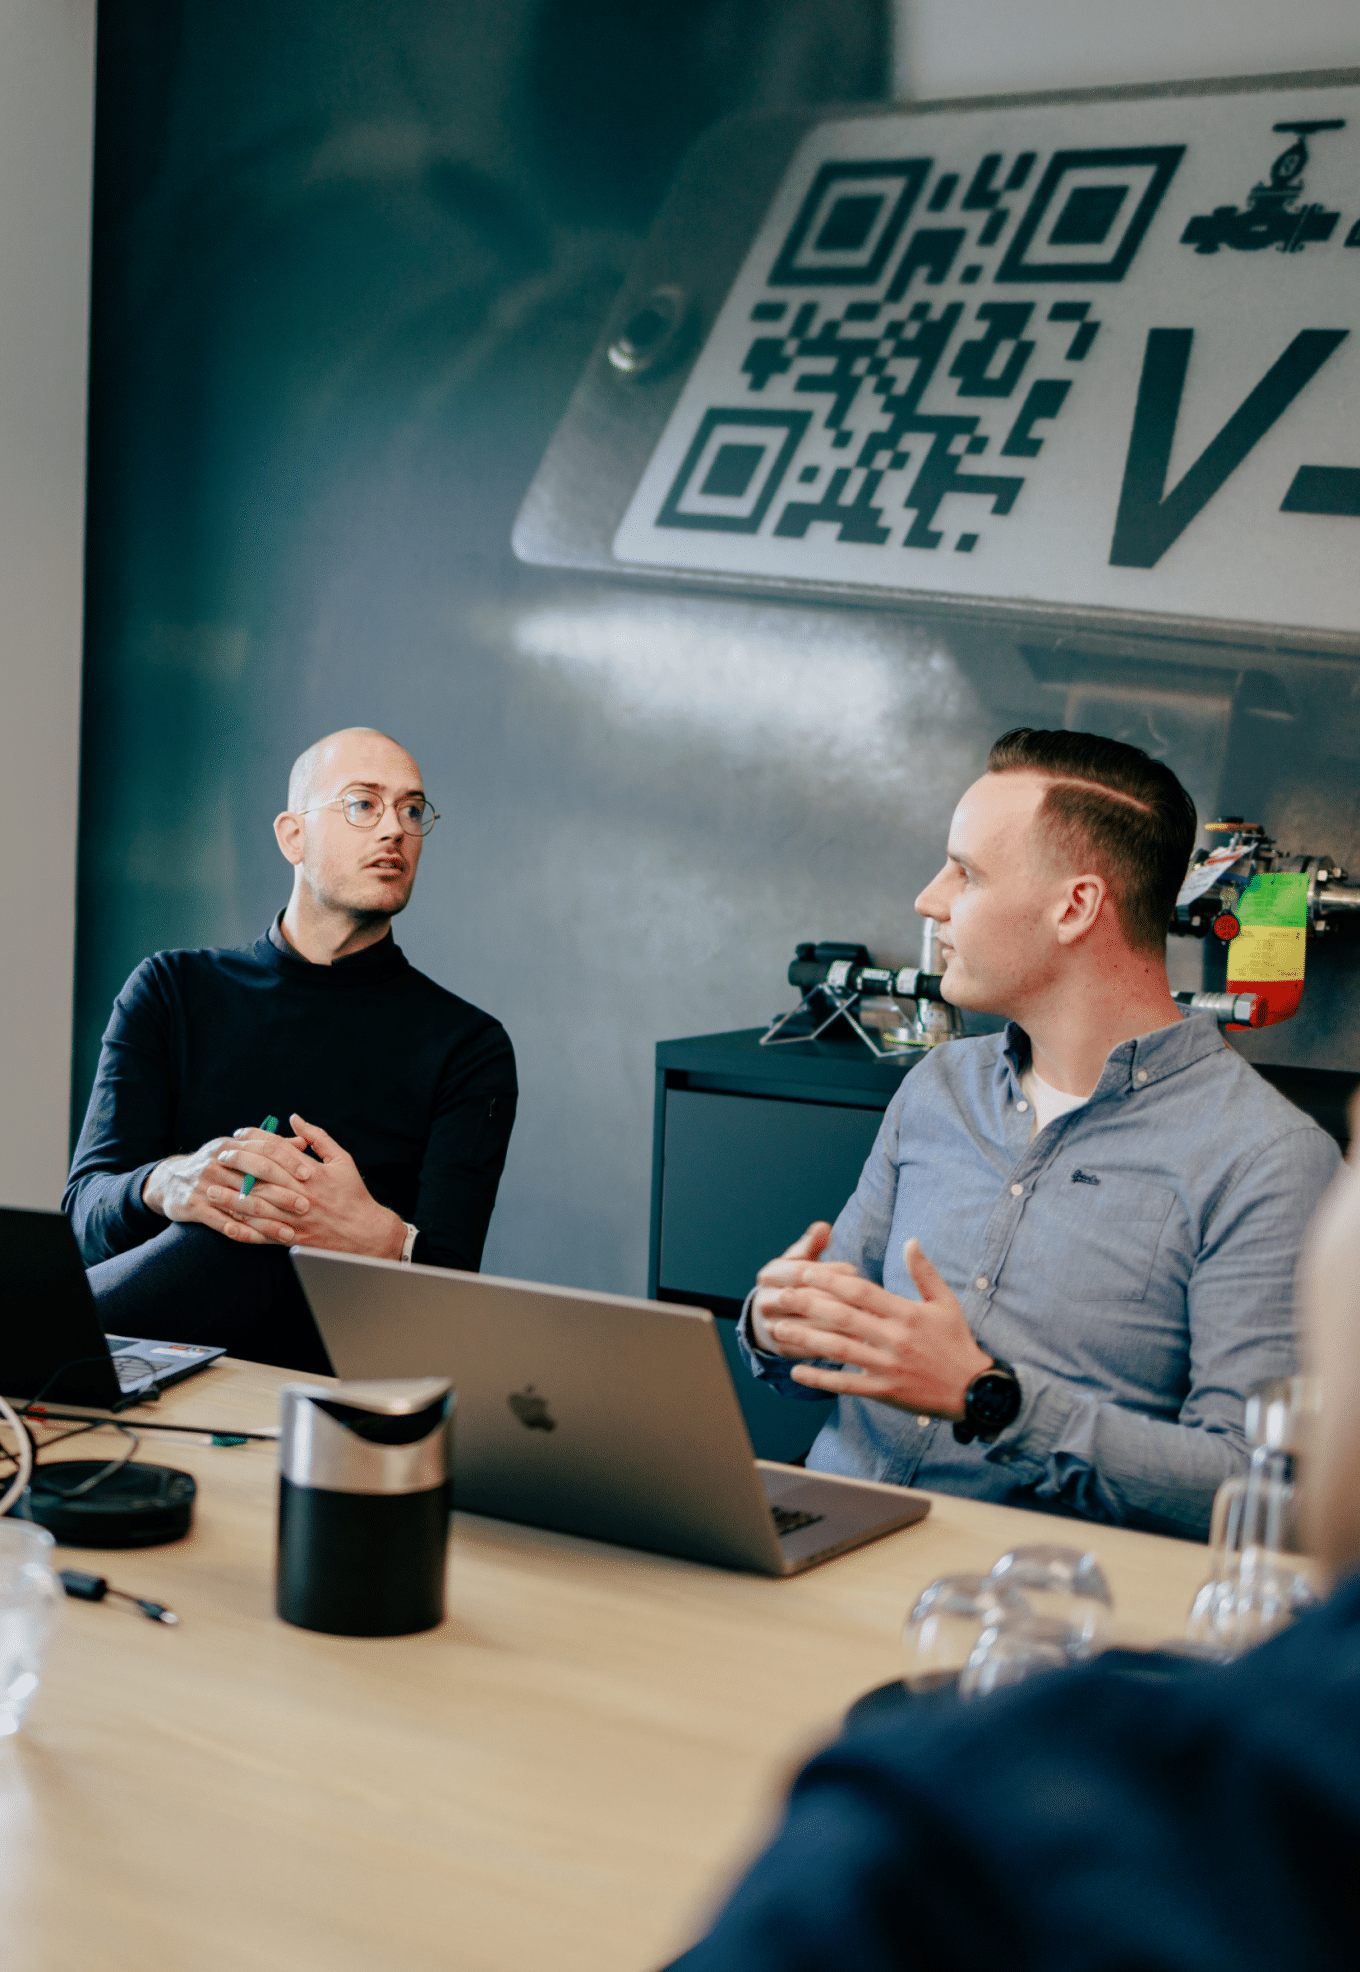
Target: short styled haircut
{"points": [[1116, 809]]}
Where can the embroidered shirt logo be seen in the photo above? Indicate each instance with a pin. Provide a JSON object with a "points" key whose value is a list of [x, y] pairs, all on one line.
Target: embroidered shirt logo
{"points": [[1084, 1178]]}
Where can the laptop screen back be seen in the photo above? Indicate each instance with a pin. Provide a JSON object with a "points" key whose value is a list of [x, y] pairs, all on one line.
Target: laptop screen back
{"points": [[51, 1343], [593, 1413]]}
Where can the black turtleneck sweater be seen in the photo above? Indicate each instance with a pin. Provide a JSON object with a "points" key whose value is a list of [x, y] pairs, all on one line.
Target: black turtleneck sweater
{"points": [[418, 1086]]}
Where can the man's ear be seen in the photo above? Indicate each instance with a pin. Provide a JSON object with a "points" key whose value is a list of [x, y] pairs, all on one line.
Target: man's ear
{"points": [[288, 832], [1082, 904]]}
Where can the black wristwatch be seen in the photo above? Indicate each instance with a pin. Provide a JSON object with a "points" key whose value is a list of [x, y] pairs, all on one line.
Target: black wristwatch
{"points": [[991, 1402]]}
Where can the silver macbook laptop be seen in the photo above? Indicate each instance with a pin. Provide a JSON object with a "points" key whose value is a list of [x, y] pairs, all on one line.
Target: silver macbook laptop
{"points": [[593, 1413]]}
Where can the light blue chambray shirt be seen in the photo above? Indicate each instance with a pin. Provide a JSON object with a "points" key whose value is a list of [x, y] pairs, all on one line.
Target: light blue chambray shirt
{"points": [[1134, 1264]]}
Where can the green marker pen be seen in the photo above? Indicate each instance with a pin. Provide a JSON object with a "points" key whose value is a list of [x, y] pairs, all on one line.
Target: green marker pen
{"points": [[270, 1123]]}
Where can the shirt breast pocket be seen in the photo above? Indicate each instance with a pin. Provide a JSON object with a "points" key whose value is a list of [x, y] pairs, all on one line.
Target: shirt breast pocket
{"points": [[1106, 1235]]}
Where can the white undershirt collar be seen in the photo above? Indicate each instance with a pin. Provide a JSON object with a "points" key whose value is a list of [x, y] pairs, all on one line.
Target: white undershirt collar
{"points": [[1045, 1101]]}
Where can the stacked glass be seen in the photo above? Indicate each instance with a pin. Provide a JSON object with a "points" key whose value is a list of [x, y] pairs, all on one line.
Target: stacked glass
{"points": [[1040, 1608], [1259, 1576]]}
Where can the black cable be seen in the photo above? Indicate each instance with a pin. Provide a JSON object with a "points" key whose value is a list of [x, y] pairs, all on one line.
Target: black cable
{"points": [[42, 1445], [79, 1432], [45, 1444], [76, 1362], [155, 1424], [97, 1478], [94, 1588], [131, 1356], [85, 1426], [24, 1412]]}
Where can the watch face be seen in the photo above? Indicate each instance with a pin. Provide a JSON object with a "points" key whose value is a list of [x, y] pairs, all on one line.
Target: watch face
{"points": [[994, 1398]]}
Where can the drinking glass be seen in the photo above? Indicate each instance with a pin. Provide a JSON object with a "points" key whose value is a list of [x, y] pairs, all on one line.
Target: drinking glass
{"points": [[1280, 1418], [30, 1596], [1258, 1580], [943, 1629], [1067, 1592], [1008, 1653]]}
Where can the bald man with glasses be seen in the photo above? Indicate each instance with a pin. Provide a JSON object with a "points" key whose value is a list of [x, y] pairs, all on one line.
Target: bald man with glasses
{"points": [[394, 1099]]}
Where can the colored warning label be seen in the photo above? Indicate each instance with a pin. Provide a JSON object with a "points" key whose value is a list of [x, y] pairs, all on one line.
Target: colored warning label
{"points": [[1267, 956], [1262, 953], [1276, 897]]}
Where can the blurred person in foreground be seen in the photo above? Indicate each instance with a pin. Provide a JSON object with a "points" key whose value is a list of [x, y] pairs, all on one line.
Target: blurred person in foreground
{"points": [[1070, 1253], [1094, 1818], [396, 1097]]}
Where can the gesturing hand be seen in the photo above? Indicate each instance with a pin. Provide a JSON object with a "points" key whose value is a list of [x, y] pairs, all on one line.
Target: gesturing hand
{"points": [[339, 1212], [785, 1271], [917, 1355]]}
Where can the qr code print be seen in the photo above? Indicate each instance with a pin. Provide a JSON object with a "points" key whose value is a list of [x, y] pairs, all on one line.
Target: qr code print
{"points": [[905, 414]]}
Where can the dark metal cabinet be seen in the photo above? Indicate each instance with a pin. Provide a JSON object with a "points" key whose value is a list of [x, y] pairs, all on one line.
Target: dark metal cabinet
{"points": [[750, 1145]]}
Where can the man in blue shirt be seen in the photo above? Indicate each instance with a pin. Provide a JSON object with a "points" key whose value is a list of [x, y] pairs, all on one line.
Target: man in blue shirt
{"points": [[1071, 1250], [1137, 1812]]}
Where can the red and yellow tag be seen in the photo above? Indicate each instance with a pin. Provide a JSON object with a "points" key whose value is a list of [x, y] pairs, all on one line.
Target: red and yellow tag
{"points": [[1266, 956]]}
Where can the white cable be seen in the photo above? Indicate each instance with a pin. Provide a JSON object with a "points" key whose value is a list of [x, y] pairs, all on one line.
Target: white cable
{"points": [[25, 1456]]}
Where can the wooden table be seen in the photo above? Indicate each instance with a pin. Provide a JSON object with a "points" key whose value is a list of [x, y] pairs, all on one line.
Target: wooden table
{"points": [[566, 1774]]}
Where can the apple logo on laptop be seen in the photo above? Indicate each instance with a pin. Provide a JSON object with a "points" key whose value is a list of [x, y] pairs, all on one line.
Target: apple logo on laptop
{"points": [[531, 1409]]}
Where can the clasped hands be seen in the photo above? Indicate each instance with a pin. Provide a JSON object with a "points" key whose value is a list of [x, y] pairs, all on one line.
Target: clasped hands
{"points": [[917, 1355], [296, 1200]]}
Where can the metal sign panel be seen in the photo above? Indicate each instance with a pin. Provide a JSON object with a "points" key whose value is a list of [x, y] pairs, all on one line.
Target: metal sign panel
{"points": [[1101, 355]]}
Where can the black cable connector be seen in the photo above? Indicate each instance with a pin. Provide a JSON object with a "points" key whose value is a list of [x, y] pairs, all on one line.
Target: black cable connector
{"points": [[94, 1588]]}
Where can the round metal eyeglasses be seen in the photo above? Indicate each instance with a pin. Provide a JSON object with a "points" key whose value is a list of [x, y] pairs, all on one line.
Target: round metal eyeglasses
{"points": [[364, 810]]}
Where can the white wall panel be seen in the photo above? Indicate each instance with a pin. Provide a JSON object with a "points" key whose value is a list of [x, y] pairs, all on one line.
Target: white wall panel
{"points": [[46, 159], [983, 47]]}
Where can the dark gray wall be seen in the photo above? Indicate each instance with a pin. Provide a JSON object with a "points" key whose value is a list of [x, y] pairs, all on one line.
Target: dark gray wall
{"points": [[349, 261]]}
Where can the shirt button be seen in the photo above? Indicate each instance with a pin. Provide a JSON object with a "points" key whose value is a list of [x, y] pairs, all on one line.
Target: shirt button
{"points": [[981, 1282], [925, 1420], [1022, 1104], [1017, 1191], [1140, 1074]]}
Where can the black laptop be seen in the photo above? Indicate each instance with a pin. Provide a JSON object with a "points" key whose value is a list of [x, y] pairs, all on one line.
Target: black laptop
{"points": [[51, 1344]]}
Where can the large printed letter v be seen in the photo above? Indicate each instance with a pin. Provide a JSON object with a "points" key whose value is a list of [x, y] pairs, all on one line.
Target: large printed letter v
{"points": [[1150, 518]]}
